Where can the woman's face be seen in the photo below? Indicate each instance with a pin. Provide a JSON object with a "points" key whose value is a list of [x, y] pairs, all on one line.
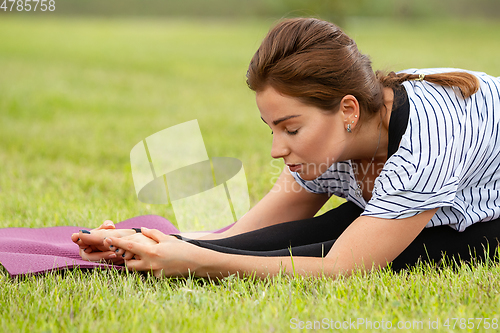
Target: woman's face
{"points": [[308, 139]]}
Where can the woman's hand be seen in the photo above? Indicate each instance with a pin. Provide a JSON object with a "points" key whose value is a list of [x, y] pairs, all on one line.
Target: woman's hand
{"points": [[167, 257], [116, 255], [92, 247], [92, 241]]}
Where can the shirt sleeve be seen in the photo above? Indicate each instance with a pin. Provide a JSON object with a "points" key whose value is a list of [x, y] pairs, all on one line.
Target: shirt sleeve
{"points": [[442, 155]]}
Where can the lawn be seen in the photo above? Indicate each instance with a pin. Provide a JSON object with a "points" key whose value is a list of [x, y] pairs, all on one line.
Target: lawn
{"points": [[77, 94]]}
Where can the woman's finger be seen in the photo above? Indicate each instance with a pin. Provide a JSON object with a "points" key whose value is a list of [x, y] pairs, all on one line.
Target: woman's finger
{"points": [[98, 256], [88, 238], [75, 238], [154, 234], [78, 241], [96, 237], [128, 245], [127, 255], [108, 224], [138, 265], [119, 252]]}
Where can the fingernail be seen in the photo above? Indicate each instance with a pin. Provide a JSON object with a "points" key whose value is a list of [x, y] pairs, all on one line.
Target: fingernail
{"points": [[144, 228], [85, 231], [111, 246], [112, 255], [123, 255], [78, 240], [117, 250]]}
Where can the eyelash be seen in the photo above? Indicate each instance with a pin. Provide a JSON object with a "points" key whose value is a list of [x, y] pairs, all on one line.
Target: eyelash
{"points": [[289, 133]]}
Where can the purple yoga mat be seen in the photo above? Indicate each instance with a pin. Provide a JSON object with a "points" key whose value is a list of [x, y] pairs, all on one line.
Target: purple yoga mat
{"points": [[33, 251]]}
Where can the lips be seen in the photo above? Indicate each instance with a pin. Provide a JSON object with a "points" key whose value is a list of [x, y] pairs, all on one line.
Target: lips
{"points": [[294, 167]]}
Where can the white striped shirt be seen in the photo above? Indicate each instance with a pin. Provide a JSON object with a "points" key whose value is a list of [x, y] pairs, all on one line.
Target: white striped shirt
{"points": [[448, 158]]}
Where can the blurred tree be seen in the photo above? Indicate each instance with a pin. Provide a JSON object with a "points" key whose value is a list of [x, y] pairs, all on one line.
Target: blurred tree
{"points": [[332, 10], [336, 11]]}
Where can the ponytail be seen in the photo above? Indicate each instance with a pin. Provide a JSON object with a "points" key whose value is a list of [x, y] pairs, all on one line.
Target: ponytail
{"points": [[467, 83]]}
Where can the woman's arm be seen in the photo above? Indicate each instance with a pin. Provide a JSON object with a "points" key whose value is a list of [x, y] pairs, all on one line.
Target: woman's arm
{"points": [[287, 201], [368, 242]]}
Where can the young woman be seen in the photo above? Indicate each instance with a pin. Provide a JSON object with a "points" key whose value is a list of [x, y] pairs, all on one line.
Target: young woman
{"points": [[415, 154]]}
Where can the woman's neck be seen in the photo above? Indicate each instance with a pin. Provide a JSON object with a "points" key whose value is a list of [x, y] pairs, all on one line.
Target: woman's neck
{"points": [[372, 139]]}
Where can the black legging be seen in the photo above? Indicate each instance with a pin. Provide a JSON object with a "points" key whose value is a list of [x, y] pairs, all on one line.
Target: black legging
{"points": [[315, 236]]}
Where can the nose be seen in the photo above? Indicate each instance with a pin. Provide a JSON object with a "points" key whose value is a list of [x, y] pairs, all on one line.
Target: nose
{"points": [[279, 149]]}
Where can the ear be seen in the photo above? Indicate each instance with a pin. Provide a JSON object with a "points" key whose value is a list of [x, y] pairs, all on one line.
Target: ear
{"points": [[349, 108]]}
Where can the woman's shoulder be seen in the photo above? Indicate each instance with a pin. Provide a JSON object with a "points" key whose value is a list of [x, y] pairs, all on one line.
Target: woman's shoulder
{"points": [[444, 125]]}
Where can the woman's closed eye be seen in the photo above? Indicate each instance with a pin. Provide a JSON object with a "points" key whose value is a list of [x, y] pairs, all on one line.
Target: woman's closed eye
{"points": [[288, 132]]}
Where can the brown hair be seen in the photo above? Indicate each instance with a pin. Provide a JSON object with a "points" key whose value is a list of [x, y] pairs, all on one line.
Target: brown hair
{"points": [[467, 83], [316, 62]]}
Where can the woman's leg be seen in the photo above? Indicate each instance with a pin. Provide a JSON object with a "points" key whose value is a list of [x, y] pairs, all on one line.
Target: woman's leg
{"points": [[314, 237], [308, 237], [310, 250], [478, 241]]}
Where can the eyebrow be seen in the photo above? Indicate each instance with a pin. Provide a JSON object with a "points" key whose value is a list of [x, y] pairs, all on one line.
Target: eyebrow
{"points": [[277, 121]]}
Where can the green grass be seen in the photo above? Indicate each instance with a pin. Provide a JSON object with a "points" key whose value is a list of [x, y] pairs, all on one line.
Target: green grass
{"points": [[101, 301], [77, 94]]}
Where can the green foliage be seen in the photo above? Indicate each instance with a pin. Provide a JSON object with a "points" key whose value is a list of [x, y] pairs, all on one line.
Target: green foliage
{"points": [[77, 94]]}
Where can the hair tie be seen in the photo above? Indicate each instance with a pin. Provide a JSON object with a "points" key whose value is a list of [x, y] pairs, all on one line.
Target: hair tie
{"points": [[420, 77]]}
